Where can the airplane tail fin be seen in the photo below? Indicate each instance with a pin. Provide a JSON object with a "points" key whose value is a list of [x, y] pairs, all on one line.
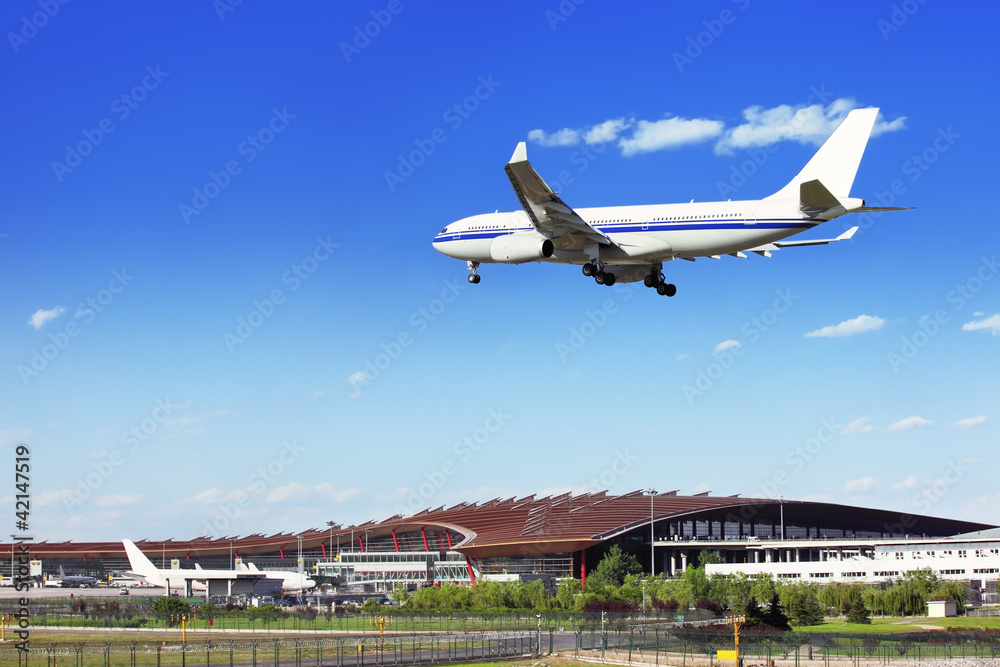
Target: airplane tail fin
{"points": [[836, 162], [62, 575], [138, 561]]}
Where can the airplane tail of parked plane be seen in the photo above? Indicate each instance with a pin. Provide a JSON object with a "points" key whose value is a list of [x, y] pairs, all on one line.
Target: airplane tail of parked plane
{"points": [[836, 162], [138, 561], [62, 575]]}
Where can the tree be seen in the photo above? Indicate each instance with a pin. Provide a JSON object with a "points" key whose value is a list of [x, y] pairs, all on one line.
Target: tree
{"points": [[805, 609], [775, 616], [171, 605], [858, 612], [613, 568]]}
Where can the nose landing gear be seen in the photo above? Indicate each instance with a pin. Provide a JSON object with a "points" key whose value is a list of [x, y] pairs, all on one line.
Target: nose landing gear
{"points": [[474, 277]]}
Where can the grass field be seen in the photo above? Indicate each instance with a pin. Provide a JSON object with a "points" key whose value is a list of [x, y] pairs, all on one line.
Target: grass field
{"points": [[910, 624]]}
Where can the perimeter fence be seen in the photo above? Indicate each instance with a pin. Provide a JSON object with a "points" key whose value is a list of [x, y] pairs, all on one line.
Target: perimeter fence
{"points": [[318, 652]]}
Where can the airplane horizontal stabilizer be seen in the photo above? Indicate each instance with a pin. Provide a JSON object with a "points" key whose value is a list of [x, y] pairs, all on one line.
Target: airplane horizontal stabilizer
{"points": [[778, 245]]}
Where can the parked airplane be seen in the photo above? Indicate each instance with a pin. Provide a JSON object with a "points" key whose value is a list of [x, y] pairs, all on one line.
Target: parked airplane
{"points": [[178, 579], [630, 243], [70, 581]]}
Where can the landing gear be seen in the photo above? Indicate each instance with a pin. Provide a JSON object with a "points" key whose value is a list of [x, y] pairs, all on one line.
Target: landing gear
{"points": [[474, 277], [601, 277], [589, 269], [656, 279]]}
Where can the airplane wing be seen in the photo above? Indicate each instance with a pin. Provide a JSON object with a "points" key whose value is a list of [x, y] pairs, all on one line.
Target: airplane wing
{"points": [[547, 212], [765, 250]]}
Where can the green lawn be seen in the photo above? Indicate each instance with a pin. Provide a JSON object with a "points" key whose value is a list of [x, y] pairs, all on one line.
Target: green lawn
{"points": [[909, 624]]}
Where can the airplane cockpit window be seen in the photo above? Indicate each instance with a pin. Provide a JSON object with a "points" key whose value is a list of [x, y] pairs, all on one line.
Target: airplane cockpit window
{"points": [[444, 231]]}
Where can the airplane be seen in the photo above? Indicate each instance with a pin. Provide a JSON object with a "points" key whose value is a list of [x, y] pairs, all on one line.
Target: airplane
{"points": [[69, 581], [631, 243], [179, 579]]}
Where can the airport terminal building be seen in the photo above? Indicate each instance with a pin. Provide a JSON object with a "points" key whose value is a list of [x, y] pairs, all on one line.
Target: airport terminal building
{"points": [[566, 536]]}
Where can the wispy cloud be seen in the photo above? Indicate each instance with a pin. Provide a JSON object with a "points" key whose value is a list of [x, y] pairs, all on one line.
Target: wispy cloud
{"points": [[805, 124], [861, 484], [682, 357], [908, 423], [300, 492], [859, 324], [991, 324], [860, 425], [41, 316], [726, 344], [910, 482], [118, 500], [970, 422]]}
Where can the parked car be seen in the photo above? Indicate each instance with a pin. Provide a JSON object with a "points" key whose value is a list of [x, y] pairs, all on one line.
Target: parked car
{"points": [[122, 591]]}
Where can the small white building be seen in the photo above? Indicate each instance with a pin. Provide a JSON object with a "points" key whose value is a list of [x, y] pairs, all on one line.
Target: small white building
{"points": [[942, 608]]}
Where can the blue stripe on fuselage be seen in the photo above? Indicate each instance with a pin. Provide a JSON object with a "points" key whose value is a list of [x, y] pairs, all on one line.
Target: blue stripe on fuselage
{"points": [[613, 228]]}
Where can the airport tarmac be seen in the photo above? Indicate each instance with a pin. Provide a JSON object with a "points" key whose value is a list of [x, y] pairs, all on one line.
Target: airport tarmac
{"points": [[49, 593]]}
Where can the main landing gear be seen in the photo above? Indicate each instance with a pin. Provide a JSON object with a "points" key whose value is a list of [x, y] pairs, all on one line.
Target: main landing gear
{"points": [[474, 277], [656, 279], [601, 277]]}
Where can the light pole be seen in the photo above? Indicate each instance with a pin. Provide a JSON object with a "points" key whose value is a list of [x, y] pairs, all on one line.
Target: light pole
{"points": [[538, 644], [301, 564], [652, 536], [781, 510], [232, 564], [352, 539], [331, 524], [367, 530], [12, 558]]}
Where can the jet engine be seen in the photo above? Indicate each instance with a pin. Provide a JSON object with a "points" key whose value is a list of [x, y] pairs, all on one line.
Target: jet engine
{"points": [[520, 248]]}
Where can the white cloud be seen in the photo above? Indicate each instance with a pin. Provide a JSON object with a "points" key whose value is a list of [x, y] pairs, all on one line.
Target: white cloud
{"points": [[682, 357], [862, 484], [859, 324], [280, 493], [669, 133], [51, 497], [908, 423], [563, 137], [910, 482], [726, 344], [970, 422], [13, 435], [860, 425], [804, 124], [606, 131], [702, 487], [327, 491], [991, 324], [118, 500], [42, 316]]}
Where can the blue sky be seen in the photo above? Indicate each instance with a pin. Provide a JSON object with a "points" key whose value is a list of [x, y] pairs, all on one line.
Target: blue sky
{"points": [[202, 246]]}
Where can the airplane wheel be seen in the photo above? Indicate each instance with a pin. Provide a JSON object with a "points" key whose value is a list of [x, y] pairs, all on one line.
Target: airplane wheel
{"points": [[609, 279], [599, 277], [477, 279], [661, 289], [588, 269], [671, 289], [472, 279], [649, 281]]}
